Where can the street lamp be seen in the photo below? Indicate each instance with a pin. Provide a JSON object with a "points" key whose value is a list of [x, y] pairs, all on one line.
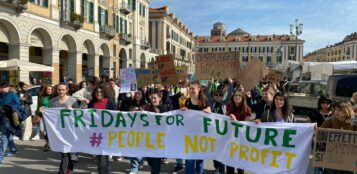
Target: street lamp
{"points": [[298, 32]]}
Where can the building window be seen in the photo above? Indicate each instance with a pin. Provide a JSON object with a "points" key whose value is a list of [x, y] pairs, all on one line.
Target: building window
{"points": [[261, 58], [87, 11], [245, 58], [42, 3], [269, 59]]}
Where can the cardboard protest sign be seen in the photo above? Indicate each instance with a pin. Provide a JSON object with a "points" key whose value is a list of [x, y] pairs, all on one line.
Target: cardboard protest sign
{"points": [[252, 73], [270, 148], [155, 72], [182, 72], [128, 81], [218, 65], [275, 75], [143, 76], [167, 70], [336, 149]]}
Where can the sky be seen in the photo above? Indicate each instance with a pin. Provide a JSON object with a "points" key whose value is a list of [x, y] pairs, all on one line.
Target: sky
{"points": [[325, 22]]}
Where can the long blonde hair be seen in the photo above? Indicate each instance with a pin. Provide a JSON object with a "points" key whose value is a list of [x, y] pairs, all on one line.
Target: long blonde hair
{"points": [[346, 108]]}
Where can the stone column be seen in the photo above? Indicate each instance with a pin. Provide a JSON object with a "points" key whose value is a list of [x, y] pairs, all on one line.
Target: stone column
{"points": [[96, 65], [55, 10], [55, 64]]}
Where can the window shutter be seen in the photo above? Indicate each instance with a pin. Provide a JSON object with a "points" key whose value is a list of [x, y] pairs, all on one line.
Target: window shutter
{"points": [[72, 6], [91, 12], [45, 3], [113, 20], [99, 17], [106, 17], [134, 5], [117, 23], [82, 6], [126, 27], [121, 25]]}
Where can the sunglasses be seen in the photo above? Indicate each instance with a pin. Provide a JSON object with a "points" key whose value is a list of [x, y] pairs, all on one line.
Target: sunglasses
{"points": [[219, 95]]}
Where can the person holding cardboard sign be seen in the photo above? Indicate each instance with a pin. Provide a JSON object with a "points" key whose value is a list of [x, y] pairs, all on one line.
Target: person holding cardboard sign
{"points": [[342, 119]]}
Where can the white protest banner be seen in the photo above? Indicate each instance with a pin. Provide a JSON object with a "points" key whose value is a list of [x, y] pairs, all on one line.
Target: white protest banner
{"points": [[128, 82], [268, 147]]}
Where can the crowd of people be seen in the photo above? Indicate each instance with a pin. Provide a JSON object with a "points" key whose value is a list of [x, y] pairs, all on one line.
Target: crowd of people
{"points": [[267, 102]]}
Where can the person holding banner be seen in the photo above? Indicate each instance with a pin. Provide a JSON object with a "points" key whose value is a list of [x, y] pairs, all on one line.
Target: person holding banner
{"points": [[342, 119], [137, 104], [156, 107], [264, 105], [64, 101], [197, 101], [279, 110], [238, 109], [178, 102], [100, 100]]}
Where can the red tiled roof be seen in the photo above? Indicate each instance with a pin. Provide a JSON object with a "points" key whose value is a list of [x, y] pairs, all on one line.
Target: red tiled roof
{"points": [[243, 38], [158, 10]]}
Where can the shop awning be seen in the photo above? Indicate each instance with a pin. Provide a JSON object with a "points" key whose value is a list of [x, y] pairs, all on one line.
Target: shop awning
{"points": [[16, 64]]}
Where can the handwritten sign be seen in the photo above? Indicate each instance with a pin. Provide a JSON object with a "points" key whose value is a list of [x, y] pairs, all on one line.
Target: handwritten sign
{"points": [[275, 75], [143, 76], [218, 65], [336, 149], [252, 73], [128, 80], [155, 72], [167, 70], [182, 72]]}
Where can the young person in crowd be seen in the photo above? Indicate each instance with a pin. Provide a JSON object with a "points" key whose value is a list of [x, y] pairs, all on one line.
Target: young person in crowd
{"points": [[113, 91], [318, 116], [101, 101], [64, 101], [197, 101], [218, 105], [279, 111], [178, 102], [238, 110], [342, 120], [323, 111], [265, 104], [84, 95], [9, 121], [44, 99], [157, 107], [137, 104], [26, 102]]}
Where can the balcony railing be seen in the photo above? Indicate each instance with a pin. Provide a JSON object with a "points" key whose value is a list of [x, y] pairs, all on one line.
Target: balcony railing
{"points": [[107, 31], [125, 38], [18, 5], [125, 8], [145, 44], [71, 20]]}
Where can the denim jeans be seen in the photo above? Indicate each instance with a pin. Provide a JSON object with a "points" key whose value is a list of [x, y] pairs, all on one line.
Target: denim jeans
{"points": [[191, 164], [103, 164], [134, 163], [218, 165], [66, 163], [6, 141], [155, 164]]}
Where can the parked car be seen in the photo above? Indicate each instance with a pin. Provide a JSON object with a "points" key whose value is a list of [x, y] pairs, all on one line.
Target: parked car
{"points": [[304, 95], [340, 87]]}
